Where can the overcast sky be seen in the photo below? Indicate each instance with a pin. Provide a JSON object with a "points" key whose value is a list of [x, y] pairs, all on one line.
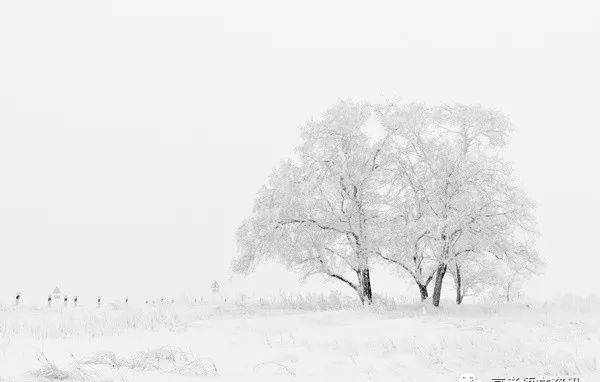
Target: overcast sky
{"points": [[135, 134]]}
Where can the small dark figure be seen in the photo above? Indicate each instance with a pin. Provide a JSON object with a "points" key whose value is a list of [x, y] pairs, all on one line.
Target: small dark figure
{"points": [[99, 301], [146, 302], [49, 300], [18, 298], [126, 300], [162, 300], [75, 301], [66, 300]]}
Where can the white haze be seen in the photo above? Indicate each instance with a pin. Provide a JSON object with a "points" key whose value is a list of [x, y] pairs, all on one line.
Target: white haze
{"points": [[134, 134]]}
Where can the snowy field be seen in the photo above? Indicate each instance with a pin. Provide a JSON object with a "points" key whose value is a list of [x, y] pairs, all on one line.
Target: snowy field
{"points": [[252, 343]]}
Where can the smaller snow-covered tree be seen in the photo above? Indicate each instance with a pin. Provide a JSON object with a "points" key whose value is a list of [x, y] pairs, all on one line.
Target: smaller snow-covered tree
{"points": [[491, 276]]}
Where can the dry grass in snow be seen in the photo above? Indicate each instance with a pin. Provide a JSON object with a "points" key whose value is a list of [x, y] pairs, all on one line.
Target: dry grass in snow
{"points": [[253, 343]]}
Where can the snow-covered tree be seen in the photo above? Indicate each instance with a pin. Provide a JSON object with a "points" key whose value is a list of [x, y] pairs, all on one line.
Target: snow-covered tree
{"points": [[492, 278], [456, 187], [484, 274], [432, 192], [320, 211], [476, 275]]}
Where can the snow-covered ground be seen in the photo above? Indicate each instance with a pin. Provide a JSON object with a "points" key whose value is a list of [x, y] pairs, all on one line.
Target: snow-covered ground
{"points": [[235, 343]]}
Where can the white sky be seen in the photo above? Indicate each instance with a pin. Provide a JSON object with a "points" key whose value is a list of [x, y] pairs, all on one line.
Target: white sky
{"points": [[134, 134]]}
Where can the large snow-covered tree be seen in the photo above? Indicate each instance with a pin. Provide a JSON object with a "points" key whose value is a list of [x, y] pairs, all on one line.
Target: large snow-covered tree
{"points": [[320, 211], [459, 190], [431, 192]]}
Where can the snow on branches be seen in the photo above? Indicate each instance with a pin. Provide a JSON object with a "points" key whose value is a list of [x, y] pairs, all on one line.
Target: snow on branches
{"points": [[430, 192]]}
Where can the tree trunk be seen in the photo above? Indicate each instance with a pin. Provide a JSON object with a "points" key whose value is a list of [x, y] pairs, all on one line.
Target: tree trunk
{"points": [[458, 285], [437, 289], [423, 287], [423, 291], [364, 282]]}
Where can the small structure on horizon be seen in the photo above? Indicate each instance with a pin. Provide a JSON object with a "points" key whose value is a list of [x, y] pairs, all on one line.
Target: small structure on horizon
{"points": [[216, 295], [57, 294], [215, 287]]}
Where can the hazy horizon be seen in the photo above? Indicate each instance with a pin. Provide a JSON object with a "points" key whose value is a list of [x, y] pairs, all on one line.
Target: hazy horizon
{"points": [[135, 134]]}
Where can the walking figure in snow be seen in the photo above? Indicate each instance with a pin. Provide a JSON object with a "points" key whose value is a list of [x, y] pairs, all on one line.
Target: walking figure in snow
{"points": [[66, 300], [98, 301], [75, 301], [49, 301], [126, 300], [17, 298]]}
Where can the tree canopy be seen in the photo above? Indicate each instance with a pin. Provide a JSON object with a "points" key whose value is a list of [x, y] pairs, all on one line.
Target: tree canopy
{"points": [[425, 188]]}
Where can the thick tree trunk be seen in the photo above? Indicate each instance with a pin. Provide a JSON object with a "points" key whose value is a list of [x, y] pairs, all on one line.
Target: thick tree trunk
{"points": [[423, 291], [364, 284], [362, 287], [439, 279], [458, 286]]}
